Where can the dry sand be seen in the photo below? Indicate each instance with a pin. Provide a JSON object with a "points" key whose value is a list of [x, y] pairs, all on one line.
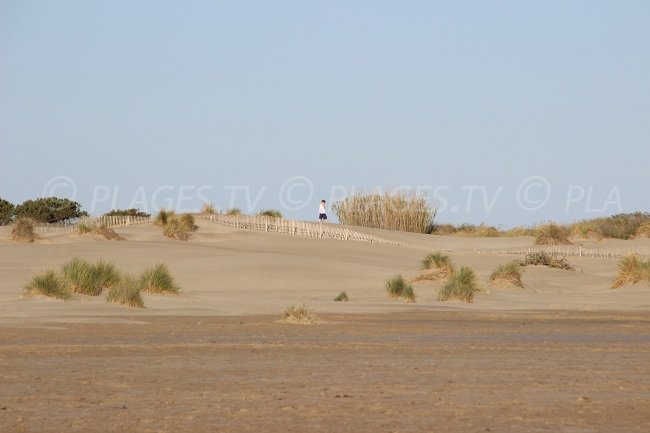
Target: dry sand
{"points": [[566, 353]]}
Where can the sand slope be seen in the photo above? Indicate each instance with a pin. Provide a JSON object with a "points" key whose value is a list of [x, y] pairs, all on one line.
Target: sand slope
{"points": [[226, 271]]}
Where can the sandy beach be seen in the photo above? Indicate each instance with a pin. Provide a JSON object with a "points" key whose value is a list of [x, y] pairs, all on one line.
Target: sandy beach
{"points": [[565, 353]]}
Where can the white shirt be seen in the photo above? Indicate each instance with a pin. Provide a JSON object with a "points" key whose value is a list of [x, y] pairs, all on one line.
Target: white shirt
{"points": [[321, 209]]}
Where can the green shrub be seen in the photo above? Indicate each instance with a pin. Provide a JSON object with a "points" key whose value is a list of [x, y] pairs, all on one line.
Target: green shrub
{"points": [[50, 210], [543, 258], [234, 212], [127, 291], [162, 217], [106, 273], [270, 213], [342, 297], [48, 284], [158, 279], [128, 212], [398, 288], [507, 275], [461, 286], [552, 234], [22, 230], [6, 212], [403, 212]]}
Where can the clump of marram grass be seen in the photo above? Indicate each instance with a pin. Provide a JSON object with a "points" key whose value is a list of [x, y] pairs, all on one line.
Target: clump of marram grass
{"points": [[208, 208], [397, 287], [461, 286], [299, 314], [158, 279], [436, 266], [48, 284], [404, 212], [179, 227], [507, 275], [270, 213], [537, 258], [342, 297], [82, 277], [127, 291], [162, 217], [552, 234], [631, 270], [101, 230], [22, 230], [233, 211]]}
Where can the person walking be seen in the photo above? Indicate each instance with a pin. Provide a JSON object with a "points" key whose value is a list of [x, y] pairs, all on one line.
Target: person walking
{"points": [[322, 214]]}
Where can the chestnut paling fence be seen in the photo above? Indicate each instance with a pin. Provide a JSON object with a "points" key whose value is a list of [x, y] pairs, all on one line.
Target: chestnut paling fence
{"points": [[69, 226], [296, 228], [580, 251]]}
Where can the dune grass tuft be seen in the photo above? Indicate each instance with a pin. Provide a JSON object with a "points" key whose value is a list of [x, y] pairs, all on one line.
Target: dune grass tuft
{"points": [[542, 258], [162, 217], [158, 279], [48, 284], [233, 211], [208, 208], [101, 230], [552, 234], [507, 275], [342, 297], [461, 286], [631, 270], [271, 213], [179, 227], [127, 291], [82, 277], [299, 314], [22, 230], [436, 266], [397, 287]]}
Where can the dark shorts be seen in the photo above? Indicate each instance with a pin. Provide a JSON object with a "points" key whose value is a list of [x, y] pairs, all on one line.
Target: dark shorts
{"points": [[322, 216]]}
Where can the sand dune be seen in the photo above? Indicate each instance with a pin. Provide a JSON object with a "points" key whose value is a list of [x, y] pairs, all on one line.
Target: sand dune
{"points": [[226, 271]]}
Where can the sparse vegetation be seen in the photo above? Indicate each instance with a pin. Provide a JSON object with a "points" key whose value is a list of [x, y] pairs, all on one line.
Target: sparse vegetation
{"points": [[403, 212], [162, 217], [208, 208], [233, 212], [100, 230], [82, 277], [507, 275], [436, 266], [552, 234], [158, 279], [299, 314], [22, 230], [461, 286], [342, 297], [631, 270], [271, 213], [543, 258], [127, 292], [48, 284], [175, 226], [398, 288], [128, 212]]}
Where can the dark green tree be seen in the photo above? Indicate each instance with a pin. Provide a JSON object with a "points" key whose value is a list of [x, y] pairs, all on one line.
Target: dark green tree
{"points": [[6, 212], [50, 209], [128, 212]]}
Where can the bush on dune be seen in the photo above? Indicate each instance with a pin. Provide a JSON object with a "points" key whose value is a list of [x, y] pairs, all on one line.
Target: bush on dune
{"points": [[342, 297], [552, 234], [22, 230], [461, 286], [398, 288], [436, 266], [158, 279], [631, 270], [271, 213], [127, 292], [299, 314], [542, 258], [208, 208], [48, 284], [507, 275]]}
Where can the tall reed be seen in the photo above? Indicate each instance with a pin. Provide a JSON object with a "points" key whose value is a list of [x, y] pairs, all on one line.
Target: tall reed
{"points": [[404, 212]]}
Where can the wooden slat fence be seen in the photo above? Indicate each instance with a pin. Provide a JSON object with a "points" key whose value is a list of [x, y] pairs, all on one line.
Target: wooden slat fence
{"points": [[296, 228], [65, 227], [580, 251]]}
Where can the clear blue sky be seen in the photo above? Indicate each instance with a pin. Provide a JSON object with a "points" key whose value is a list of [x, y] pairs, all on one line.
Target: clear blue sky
{"points": [[157, 102]]}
